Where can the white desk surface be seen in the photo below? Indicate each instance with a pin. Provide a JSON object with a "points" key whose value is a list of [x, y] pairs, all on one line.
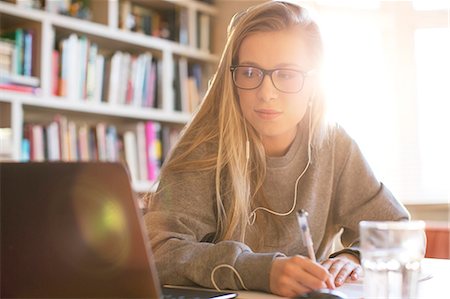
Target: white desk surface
{"points": [[435, 271]]}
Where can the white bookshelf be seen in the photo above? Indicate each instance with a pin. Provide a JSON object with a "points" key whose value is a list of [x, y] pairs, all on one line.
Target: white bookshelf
{"points": [[17, 108]]}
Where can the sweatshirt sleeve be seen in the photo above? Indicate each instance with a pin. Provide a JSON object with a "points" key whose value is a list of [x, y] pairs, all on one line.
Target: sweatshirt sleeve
{"points": [[359, 195], [179, 218]]}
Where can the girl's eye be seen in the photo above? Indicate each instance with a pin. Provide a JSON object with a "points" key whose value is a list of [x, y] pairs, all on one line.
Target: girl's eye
{"points": [[249, 72], [286, 74]]}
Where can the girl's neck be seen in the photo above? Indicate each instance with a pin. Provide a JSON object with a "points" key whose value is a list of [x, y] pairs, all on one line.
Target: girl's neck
{"points": [[278, 146]]}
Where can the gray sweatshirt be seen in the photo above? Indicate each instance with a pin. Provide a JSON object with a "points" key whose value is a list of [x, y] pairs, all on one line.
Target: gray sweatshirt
{"points": [[338, 190]]}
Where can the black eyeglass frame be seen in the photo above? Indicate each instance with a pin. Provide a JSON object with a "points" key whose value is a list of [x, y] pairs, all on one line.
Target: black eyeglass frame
{"points": [[269, 73]]}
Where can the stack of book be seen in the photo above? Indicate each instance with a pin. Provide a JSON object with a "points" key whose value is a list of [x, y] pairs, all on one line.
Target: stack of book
{"points": [[142, 147], [148, 20], [16, 61], [81, 72]]}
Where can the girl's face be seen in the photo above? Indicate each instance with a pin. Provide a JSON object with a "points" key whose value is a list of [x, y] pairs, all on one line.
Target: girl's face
{"points": [[273, 113]]}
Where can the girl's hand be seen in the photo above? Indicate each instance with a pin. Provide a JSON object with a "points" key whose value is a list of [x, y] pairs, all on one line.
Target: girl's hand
{"points": [[292, 276], [342, 267]]}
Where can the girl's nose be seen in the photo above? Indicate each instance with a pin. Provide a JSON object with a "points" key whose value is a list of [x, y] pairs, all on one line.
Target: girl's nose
{"points": [[267, 91]]}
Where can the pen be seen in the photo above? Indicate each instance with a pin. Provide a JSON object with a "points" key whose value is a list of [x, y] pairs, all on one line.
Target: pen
{"points": [[306, 234]]}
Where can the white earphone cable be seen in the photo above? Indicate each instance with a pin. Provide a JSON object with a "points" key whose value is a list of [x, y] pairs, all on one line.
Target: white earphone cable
{"points": [[232, 269], [253, 213], [252, 217]]}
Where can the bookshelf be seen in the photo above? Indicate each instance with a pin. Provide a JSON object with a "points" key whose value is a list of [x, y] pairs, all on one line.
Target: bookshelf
{"points": [[60, 74]]}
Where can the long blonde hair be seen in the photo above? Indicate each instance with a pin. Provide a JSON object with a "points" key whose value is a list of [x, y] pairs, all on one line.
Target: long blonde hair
{"points": [[219, 124]]}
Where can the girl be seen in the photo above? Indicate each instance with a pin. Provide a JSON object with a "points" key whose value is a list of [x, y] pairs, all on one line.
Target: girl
{"points": [[257, 151]]}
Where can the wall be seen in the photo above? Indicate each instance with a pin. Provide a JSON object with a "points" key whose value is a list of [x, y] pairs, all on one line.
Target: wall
{"points": [[226, 9]]}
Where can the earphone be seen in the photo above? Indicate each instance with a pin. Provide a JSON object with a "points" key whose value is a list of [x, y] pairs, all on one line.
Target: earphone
{"points": [[252, 215]]}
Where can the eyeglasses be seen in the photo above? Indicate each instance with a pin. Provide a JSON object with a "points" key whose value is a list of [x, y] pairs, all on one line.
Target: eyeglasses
{"points": [[285, 80]]}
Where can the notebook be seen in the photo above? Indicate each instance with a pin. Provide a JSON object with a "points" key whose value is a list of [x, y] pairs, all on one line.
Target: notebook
{"points": [[74, 230]]}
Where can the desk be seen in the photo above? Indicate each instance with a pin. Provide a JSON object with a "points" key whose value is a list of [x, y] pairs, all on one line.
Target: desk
{"points": [[435, 287]]}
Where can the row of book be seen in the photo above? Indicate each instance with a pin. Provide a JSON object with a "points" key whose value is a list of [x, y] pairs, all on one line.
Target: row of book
{"points": [[141, 147], [147, 20], [169, 23], [82, 72], [74, 8]]}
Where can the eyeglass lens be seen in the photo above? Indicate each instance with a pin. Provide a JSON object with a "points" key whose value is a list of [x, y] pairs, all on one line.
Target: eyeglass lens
{"points": [[285, 80]]}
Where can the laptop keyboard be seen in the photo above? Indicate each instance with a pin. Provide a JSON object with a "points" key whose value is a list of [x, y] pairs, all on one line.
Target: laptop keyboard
{"points": [[181, 293]]}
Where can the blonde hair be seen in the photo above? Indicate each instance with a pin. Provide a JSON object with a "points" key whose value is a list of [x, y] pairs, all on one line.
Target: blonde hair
{"points": [[220, 126]]}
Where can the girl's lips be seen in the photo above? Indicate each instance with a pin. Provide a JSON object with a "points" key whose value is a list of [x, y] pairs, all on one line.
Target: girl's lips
{"points": [[267, 114]]}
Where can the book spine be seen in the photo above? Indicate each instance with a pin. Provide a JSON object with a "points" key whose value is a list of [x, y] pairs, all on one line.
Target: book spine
{"points": [[131, 154], [18, 63], [28, 53], [141, 151], [55, 73]]}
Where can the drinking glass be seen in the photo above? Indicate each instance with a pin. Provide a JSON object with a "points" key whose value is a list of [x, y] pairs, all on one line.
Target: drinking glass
{"points": [[391, 256]]}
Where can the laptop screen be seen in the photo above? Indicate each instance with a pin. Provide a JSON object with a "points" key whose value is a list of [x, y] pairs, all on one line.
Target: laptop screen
{"points": [[72, 230]]}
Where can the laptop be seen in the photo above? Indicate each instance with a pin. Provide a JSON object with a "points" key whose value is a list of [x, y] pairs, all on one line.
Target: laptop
{"points": [[74, 230]]}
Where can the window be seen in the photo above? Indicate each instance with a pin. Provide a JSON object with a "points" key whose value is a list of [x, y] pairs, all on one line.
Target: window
{"points": [[433, 88], [387, 78], [430, 4]]}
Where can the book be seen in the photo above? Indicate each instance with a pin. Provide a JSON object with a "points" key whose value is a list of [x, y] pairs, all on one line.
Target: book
{"points": [[99, 77], [130, 146], [138, 70], [114, 78], [53, 148], [63, 137], [183, 26], [37, 143], [25, 150], [183, 83], [63, 69], [126, 19], [9, 78], [55, 73], [72, 139], [91, 72], [132, 79], [83, 143], [100, 130], [19, 88], [193, 94], [16, 36], [141, 151], [71, 68], [204, 32], [82, 59], [112, 146], [124, 79], [5, 143], [150, 85], [92, 143], [28, 52], [105, 89], [153, 149]]}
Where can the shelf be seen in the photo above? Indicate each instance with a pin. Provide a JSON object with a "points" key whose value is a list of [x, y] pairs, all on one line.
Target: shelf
{"points": [[120, 37], [137, 113], [143, 71]]}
